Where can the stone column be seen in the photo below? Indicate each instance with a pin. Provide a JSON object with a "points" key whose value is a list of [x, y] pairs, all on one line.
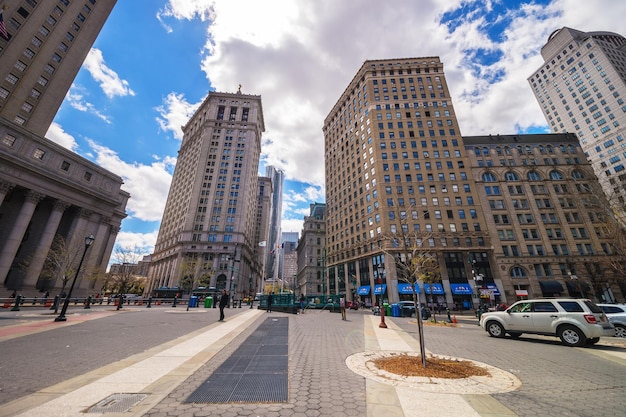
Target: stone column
{"points": [[77, 241], [47, 237], [5, 187], [18, 230]]}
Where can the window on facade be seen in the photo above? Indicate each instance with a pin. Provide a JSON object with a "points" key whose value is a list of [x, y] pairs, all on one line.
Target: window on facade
{"points": [[39, 154], [8, 140]]}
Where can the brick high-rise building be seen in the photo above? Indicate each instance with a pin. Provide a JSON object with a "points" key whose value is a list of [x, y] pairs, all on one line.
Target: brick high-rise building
{"points": [[395, 162]]}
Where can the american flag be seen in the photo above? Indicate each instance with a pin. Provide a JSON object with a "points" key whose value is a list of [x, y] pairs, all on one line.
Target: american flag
{"points": [[3, 28]]}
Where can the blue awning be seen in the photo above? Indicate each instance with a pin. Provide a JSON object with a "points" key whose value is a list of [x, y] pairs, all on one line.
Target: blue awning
{"points": [[436, 289], [461, 289], [364, 290], [494, 288], [404, 288], [380, 289]]}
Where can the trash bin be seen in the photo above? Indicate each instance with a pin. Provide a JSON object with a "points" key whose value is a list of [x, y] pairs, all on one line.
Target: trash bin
{"points": [[208, 302], [193, 301], [406, 312], [395, 310], [387, 308]]}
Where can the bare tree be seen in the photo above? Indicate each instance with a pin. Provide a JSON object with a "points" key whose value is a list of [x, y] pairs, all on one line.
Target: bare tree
{"points": [[414, 261], [62, 260], [191, 272], [123, 273], [607, 211]]}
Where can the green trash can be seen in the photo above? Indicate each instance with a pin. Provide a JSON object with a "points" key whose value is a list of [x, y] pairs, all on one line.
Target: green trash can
{"points": [[208, 302], [387, 308]]}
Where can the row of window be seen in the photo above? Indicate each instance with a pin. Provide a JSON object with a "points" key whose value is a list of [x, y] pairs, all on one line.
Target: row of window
{"points": [[20, 66]]}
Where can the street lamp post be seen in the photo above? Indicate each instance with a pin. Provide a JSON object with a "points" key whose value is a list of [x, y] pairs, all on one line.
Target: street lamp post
{"points": [[381, 271], [88, 241], [578, 284], [478, 281]]}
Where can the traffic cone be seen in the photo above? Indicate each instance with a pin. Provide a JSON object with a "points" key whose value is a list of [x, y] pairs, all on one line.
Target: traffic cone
{"points": [[454, 319]]}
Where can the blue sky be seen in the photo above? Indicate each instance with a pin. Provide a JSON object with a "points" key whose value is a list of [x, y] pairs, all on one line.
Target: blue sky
{"points": [[155, 61]]}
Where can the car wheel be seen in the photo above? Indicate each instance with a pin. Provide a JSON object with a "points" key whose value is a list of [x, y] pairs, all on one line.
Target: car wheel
{"points": [[620, 330], [571, 336], [592, 341], [495, 329], [514, 335]]}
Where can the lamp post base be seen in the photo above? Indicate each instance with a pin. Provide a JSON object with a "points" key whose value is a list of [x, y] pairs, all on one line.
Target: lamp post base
{"points": [[382, 324]]}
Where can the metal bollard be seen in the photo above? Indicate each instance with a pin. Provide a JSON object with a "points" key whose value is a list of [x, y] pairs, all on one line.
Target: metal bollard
{"points": [[88, 303], [175, 302], [449, 318], [239, 303], [55, 303], [18, 300], [149, 303]]}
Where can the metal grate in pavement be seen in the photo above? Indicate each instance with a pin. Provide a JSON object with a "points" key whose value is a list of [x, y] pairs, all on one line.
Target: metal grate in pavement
{"points": [[116, 403], [257, 372]]}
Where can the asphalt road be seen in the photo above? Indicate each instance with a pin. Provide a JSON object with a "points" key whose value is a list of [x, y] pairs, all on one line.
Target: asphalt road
{"points": [[557, 380]]}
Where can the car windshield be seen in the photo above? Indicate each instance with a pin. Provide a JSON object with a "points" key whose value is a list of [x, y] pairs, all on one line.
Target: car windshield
{"points": [[521, 307]]}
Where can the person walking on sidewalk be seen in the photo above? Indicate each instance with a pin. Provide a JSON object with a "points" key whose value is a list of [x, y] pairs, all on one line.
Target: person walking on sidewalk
{"points": [[224, 299], [342, 307], [270, 300], [302, 303]]}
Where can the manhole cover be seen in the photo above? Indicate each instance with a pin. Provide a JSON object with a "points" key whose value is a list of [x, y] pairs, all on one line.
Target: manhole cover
{"points": [[116, 403]]}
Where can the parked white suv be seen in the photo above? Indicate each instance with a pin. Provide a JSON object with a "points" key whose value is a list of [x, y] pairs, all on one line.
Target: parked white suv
{"points": [[575, 321]]}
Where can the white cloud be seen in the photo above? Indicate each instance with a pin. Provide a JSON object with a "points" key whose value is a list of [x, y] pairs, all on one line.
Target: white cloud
{"points": [[175, 112], [56, 134], [148, 185], [300, 55], [304, 53], [142, 241], [291, 225], [110, 82], [75, 98]]}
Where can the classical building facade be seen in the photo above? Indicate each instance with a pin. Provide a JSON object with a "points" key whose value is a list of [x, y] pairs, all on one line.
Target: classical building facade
{"points": [[581, 87], [211, 215], [547, 217], [48, 42], [311, 253], [48, 192]]}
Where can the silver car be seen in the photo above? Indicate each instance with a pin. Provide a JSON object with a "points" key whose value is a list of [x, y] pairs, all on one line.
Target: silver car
{"points": [[575, 321], [617, 316]]}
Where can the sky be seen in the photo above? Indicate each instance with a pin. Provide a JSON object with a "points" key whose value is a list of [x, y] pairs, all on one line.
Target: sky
{"points": [[155, 61]]}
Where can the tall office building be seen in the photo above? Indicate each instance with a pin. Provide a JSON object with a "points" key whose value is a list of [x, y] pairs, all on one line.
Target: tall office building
{"points": [[48, 42], [211, 213], [46, 191], [263, 213], [272, 268], [581, 88], [395, 162]]}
